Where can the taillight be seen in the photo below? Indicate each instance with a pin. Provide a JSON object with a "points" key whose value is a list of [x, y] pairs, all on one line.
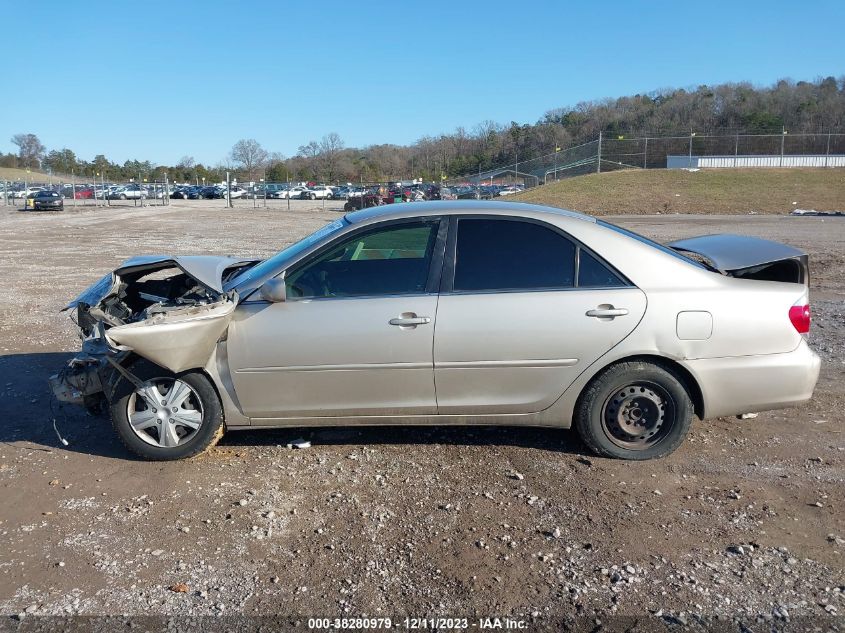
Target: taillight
{"points": [[800, 317]]}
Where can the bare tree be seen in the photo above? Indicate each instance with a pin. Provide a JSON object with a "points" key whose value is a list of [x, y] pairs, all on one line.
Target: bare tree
{"points": [[30, 149], [329, 152], [186, 162], [249, 155], [312, 150]]}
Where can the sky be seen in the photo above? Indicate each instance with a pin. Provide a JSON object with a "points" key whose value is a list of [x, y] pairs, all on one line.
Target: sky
{"points": [[161, 80]]}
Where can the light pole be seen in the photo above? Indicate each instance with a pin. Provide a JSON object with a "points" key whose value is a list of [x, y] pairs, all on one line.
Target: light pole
{"points": [[689, 163]]}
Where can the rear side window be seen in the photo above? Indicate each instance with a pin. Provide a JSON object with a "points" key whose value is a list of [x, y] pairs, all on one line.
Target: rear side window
{"points": [[511, 255], [594, 274]]}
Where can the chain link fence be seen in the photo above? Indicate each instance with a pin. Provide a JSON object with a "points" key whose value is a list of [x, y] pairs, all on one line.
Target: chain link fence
{"points": [[606, 153], [609, 153]]}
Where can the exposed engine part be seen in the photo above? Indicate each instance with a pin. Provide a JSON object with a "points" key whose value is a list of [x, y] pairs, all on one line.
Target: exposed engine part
{"points": [[76, 381]]}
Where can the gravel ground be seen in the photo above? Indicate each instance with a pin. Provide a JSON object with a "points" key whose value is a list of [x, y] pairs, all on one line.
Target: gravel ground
{"points": [[745, 519]]}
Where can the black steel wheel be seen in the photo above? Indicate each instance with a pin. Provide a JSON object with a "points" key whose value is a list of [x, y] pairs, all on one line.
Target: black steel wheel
{"points": [[638, 415], [634, 410]]}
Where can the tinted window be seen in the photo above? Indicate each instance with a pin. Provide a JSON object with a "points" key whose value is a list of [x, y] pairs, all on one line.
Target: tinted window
{"points": [[508, 255], [385, 261], [593, 274]]}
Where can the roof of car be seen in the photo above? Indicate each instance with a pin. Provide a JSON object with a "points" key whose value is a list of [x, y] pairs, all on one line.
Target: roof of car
{"points": [[457, 207]]}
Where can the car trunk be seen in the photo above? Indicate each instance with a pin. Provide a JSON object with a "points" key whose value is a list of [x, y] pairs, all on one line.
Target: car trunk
{"points": [[746, 257]]}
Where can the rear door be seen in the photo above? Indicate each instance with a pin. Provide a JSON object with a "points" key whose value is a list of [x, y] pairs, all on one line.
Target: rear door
{"points": [[523, 311]]}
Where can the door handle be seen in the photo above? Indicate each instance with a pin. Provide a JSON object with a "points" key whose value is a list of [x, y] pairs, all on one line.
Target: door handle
{"points": [[411, 320], [608, 312]]}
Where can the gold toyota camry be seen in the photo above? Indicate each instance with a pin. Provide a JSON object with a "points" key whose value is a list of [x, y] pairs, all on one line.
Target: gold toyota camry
{"points": [[448, 313]]}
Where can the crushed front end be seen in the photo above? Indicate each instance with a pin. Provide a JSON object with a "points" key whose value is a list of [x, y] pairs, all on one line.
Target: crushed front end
{"points": [[170, 311]]}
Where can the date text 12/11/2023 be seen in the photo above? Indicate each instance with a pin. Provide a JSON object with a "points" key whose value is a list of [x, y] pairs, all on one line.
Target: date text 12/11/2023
{"points": [[417, 623]]}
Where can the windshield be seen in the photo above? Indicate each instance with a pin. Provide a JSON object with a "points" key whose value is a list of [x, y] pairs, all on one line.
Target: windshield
{"points": [[263, 270]]}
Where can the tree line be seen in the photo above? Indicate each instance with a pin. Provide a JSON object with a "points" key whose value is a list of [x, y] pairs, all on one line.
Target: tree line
{"points": [[803, 106]]}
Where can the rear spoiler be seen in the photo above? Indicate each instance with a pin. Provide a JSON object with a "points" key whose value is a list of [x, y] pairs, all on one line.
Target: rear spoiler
{"points": [[749, 257]]}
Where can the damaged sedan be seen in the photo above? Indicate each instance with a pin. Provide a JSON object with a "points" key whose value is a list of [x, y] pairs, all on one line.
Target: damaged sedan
{"points": [[440, 313]]}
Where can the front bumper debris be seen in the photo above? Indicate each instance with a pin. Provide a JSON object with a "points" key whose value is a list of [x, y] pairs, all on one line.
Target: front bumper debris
{"points": [[77, 380]]}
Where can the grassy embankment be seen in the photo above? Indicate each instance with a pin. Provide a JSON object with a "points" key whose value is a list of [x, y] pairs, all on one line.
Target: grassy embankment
{"points": [[717, 191]]}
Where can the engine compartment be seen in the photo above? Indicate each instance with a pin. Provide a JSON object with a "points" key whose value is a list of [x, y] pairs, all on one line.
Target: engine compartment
{"points": [[143, 292]]}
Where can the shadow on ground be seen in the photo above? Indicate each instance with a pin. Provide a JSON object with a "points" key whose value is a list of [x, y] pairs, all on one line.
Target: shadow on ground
{"points": [[28, 411]]}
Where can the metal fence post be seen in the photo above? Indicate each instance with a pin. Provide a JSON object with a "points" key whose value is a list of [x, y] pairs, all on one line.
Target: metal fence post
{"points": [[782, 139], [736, 150], [827, 151], [598, 157], [645, 154], [689, 162]]}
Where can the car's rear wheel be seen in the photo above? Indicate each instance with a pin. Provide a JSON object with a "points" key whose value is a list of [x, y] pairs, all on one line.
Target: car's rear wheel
{"points": [[634, 410], [313, 196], [169, 416], [123, 196]]}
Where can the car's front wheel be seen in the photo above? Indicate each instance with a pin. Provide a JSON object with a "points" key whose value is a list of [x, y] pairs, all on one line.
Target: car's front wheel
{"points": [[169, 416], [634, 410]]}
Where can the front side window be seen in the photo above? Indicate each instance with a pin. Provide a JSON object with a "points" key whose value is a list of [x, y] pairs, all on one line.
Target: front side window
{"points": [[493, 254], [384, 261]]}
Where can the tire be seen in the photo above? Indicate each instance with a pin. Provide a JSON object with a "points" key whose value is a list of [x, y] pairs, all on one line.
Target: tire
{"points": [[201, 405], [123, 196], [348, 207], [313, 196], [634, 410]]}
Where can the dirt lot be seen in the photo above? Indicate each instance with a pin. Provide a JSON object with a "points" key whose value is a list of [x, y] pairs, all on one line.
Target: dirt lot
{"points": [[745, 519]]}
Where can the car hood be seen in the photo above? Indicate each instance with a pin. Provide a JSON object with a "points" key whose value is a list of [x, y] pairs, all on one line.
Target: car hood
{"points": [[206, 269]]}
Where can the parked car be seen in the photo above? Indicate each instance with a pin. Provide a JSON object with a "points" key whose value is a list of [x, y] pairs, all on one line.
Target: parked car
{"points": [[84, 193], [269, 188], [364, 200], [510, 190], [486, 192], [467, 193], [236, 192], [128, 192], [317, 192], [211, 192], [433, 313], [340, 193], [291, 192], [159, 191], [46, 199], [24, 193], [181, 193]]}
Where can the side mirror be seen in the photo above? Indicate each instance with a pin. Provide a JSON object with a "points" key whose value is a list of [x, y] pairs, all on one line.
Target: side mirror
{"points": [[274, 290]]}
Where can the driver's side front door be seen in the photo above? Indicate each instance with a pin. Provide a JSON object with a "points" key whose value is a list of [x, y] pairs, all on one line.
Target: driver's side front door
{"points": [[354, 337]]}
